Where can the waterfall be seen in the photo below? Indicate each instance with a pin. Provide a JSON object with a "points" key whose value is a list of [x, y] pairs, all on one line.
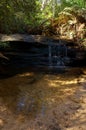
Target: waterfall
{"points": [[50, 56], [60, 52], [58, 56]]}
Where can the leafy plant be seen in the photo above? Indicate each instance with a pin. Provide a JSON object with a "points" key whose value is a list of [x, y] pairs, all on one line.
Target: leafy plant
{"points": [[4, 44]]}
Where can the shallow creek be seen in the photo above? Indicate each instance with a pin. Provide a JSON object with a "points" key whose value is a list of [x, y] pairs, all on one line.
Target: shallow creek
{"points": [[34, 100]]}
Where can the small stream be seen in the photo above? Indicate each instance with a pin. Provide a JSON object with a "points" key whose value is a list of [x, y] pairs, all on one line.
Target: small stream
{"points": [[32, 91], [30, 98]]}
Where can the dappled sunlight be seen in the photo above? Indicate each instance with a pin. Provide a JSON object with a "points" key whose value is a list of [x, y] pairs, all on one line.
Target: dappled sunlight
{"points": [[32, 90], [35, 95], [1, 122], [26, 74], [42, 65], [78, 120], [58, 88], [61, 82]]}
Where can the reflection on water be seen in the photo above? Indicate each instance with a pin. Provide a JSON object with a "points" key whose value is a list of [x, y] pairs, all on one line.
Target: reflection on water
{"points": [[35, 93], [29, 92]]}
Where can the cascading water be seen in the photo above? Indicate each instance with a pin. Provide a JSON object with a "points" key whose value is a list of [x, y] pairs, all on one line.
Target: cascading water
{"points": [[50, 56], [58, 56]]}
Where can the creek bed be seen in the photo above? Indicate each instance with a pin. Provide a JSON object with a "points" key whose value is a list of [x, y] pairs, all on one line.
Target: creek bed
{"points": [[36, 99]]}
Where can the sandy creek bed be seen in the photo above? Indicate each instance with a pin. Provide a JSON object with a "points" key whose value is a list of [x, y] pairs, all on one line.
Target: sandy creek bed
{"points": [[43, 101]]}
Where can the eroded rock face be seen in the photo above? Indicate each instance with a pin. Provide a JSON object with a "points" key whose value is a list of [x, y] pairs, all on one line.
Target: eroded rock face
{"points": [[20, 54]]}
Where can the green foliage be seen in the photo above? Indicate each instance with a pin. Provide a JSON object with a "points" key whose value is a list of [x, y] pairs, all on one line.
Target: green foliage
{"points": [[4, 44], [19, 15], [79, 3], [15, 15]]}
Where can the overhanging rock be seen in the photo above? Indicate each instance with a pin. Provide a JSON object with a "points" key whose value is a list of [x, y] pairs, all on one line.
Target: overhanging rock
{"points": [[29, 38]]}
